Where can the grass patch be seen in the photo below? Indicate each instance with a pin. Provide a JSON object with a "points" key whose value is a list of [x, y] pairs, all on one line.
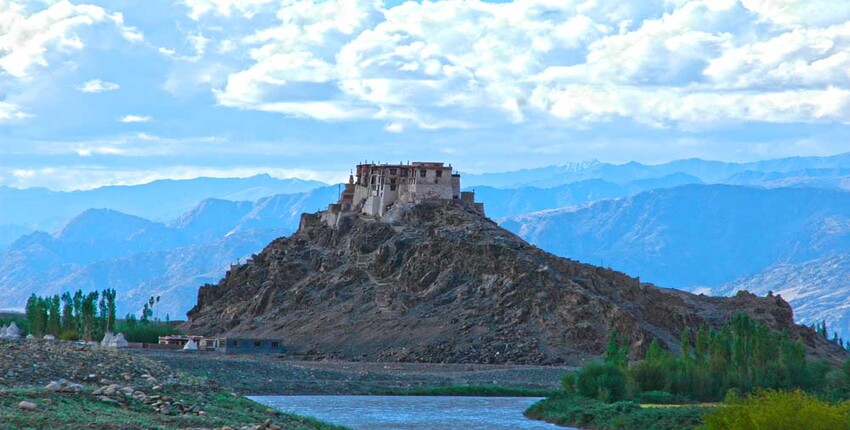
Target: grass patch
{"points": [[576, 411], [475, 391], [81, 411]]}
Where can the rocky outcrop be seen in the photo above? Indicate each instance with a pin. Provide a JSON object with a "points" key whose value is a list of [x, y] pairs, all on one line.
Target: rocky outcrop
{"points": [[437, 282]]}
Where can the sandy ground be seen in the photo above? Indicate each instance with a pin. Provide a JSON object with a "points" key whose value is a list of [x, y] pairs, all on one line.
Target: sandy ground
{"points": [[267, 374]]}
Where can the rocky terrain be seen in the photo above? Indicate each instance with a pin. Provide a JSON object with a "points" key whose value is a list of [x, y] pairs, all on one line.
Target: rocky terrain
{"points": [[48, 384], [438, 283]]}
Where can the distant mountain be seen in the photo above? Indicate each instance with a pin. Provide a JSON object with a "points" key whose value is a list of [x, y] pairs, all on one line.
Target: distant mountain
{"points": [[11, 232], [163, 200], [506, 202], [102, 248], [712, 172], [696, 234], [818, 290]]}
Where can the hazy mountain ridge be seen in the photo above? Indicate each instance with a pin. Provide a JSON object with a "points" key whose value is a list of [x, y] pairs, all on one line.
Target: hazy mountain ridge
{"points": [[714, 172], [696, 234], [103, 248], [162, 200]]}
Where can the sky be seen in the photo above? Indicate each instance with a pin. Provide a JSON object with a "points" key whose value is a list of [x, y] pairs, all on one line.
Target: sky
{"points": [[96, 92]]}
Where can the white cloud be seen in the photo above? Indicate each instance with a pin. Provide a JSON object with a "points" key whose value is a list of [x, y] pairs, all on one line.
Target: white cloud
{"points": [[247, 8], [135, 118], [455, 64], [10, 111], [27, 37], [98, 86]]}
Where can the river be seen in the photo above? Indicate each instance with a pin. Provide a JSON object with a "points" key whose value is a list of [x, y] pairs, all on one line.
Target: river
{"points": [[412, 412]]}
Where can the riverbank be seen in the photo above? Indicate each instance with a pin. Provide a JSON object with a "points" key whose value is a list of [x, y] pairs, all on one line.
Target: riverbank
{"points": [[58, 385], [571, 410]]}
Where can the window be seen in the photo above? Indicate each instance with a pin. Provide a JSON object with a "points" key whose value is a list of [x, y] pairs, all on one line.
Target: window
{"points": [[422, 173], [439, 173], [233, 343], [392, 187], [373, 179], [392, 171], [275, 344], [257, 344]]}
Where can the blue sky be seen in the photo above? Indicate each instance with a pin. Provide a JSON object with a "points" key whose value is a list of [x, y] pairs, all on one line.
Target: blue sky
{"points": [[97, 92]]}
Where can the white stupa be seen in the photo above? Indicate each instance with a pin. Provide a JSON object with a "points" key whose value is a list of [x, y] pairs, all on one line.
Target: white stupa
{"points": [[119, 342], [190, 346], [107, 338], [13, 332]]}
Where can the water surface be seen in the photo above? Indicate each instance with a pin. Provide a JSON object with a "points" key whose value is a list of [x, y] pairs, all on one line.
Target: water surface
{"points": [[412, 412]]}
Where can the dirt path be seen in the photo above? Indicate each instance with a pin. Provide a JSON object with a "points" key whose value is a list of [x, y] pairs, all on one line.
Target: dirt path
{"points": [[271, 374]]}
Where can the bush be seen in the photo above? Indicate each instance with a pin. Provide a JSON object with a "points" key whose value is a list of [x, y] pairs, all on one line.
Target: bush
{"points": [[568, 381], [778, 410], [604, 382], [576, 411], [69, 335], [650, 376], [145, 332], [656, 398]]}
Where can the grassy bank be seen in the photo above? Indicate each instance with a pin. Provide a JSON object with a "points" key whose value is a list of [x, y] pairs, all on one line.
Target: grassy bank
{"points": [[576, 411], [474, 391], [75, 411]]}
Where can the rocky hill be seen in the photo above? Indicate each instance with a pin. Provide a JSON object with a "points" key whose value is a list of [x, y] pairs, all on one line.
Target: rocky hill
{"points": [[818, 290], [436, 282]]}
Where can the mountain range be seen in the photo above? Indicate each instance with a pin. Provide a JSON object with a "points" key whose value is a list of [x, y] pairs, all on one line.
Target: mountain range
{"points": [[162, 200], [698, 225], [103, 248]]}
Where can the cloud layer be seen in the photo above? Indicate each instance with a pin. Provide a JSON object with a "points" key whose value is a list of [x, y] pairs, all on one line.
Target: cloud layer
{"points": [[455, 64], [494, 86]]}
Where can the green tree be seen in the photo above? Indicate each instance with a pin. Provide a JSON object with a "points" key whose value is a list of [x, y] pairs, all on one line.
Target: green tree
{"points": [[68, 323]]}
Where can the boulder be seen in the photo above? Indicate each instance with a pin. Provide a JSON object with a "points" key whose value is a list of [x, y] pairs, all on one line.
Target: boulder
{"points": [[27, 406], [47, 337]]}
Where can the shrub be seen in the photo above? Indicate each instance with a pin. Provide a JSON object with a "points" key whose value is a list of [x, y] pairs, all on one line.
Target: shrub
{"points": [[778, 410], [145, 332], [568, 381], [656, 398], [650, 376], [604, 382], [69, 335]]}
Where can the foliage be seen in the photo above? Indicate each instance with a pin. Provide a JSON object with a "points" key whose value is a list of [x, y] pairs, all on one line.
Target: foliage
{"points": [[80, 313], [147, 332], [575, 411], [656, 398], [69, 335], [602, 381], [778, 410]]}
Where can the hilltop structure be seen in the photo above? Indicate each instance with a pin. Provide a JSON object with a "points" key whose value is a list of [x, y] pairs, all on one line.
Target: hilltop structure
{"points": [[372, 189]]}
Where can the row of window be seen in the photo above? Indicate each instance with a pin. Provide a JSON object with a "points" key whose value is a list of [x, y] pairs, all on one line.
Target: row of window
{"points": [[256, 343]]}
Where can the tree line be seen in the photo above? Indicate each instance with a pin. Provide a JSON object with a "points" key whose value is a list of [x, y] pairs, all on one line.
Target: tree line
{"points": [[743, 356], [72, 316]]}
